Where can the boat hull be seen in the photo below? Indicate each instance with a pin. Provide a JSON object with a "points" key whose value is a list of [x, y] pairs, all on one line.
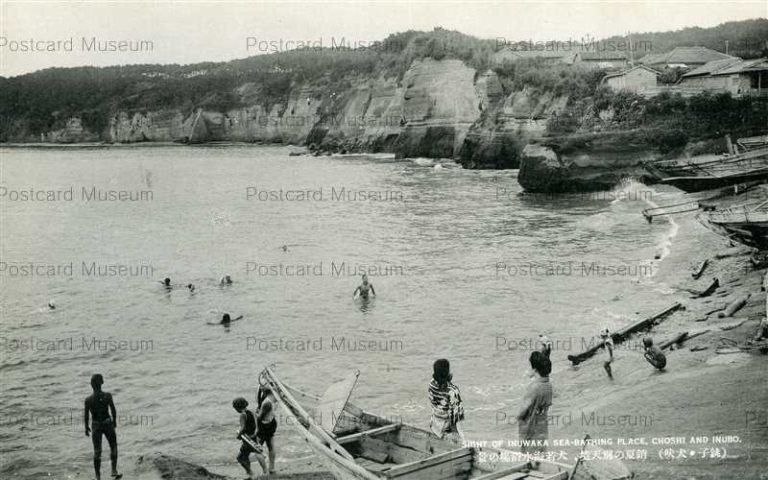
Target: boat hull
{"points": [[750, 233], [692, 184]]}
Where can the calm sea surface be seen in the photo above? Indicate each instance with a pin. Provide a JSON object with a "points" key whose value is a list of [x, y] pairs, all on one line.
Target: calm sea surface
{"points": [[464, 265]]}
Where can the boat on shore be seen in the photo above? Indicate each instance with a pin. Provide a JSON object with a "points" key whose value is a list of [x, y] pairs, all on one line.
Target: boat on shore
{"points": [[710, 172], [356, 445], [744, 224]]}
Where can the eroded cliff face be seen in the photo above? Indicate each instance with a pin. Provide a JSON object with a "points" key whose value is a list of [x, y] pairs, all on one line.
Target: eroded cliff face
{"points": [[438, 109], [508, 124]]}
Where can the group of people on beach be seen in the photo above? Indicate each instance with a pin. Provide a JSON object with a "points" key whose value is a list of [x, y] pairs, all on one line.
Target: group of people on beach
{"points": [[448, 409], [532, 421], [257, 430]]}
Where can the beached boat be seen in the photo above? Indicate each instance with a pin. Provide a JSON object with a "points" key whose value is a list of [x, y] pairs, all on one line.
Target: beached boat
{"points": [[745, 224], [356, 445], [709, 172]]}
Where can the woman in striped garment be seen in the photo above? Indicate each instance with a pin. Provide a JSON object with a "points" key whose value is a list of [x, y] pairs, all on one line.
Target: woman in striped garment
{"points": [[445, 399]]}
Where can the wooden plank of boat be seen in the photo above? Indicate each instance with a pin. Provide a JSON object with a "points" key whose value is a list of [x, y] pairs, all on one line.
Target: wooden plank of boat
{"points": [[622, 334], [453, 462], [367, 433], [504, 472]]}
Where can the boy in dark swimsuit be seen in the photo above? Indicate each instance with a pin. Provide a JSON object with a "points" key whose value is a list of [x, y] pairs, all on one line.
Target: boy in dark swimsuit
{"points": [[247, 434], [100, 407]]}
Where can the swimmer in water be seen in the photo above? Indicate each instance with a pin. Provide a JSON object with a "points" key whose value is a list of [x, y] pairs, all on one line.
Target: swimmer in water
{"points": [[191, 288], [52, 305], [607, 344], [167, 283], [226, 320], [364, 288], [225, 280]]}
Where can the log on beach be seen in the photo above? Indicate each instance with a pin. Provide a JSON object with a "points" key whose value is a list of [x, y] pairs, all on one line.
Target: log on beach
{"points": [[623, 334], [707, 291], [734, 306], [699, 271], [677, 339]]}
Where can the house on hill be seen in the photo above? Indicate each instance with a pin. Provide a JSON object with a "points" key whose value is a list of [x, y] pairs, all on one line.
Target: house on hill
{"points": [[736, 76], [607, 60], [683, 57], [509, 55], [635, 79]]}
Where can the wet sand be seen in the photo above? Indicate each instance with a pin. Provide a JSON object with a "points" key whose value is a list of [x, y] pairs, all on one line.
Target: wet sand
{"points": [[700, 393]]}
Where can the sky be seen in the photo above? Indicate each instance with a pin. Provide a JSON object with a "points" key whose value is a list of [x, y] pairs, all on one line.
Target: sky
{"points": [[195, 31]]}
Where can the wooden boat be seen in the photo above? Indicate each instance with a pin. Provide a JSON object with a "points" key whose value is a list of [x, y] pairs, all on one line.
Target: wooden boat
{"points": [[355, 445], [624, 333], [710, 172], [744, 224]]}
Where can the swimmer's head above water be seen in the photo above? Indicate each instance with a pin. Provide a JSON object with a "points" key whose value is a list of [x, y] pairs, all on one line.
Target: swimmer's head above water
{"points": [[225, 280], [167, 282], [52, 304], [225, 320]]}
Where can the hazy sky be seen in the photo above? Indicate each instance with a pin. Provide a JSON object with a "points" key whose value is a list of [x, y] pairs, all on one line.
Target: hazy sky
{"points": [[194, 31]]}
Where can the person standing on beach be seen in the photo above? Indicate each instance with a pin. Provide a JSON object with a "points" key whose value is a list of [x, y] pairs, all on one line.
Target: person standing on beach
{"points": [[533, 428], [101, 410], [445, 399], [266, 423], [247, 434], [607, 344], [364, 288]]}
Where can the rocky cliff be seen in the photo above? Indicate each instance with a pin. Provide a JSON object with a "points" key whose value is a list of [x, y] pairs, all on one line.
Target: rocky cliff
{"points": [[438, 109]]}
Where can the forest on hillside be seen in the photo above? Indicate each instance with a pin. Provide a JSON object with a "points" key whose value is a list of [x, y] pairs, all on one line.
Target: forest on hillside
{"points": [[43, 100]]}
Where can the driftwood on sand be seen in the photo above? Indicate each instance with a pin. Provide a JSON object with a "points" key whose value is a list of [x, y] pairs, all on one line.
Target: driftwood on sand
{"points": [[699, 271], [735, 306], [623, 334], [714, 285]]}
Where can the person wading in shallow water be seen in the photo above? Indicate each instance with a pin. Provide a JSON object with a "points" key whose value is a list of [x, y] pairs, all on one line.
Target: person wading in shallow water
{"points": [[266, 422], [100, 407], [447, 408], [247, 434], [532, 419], [363, 290]]}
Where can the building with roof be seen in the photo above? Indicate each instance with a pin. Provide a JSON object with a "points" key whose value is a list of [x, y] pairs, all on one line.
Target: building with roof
{"points": [[683, 57], [736, 76], [635, 79], [607, 60], [508, 55]]}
